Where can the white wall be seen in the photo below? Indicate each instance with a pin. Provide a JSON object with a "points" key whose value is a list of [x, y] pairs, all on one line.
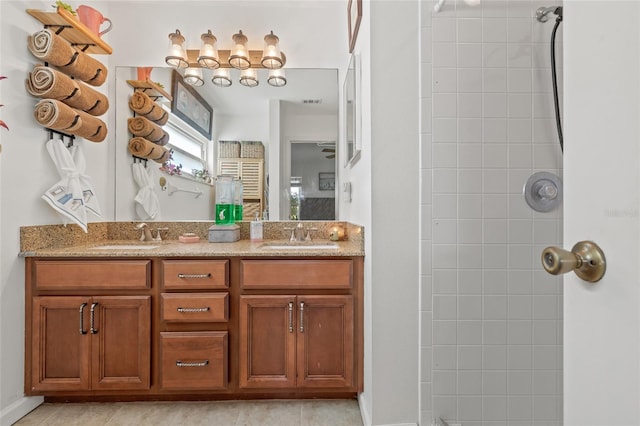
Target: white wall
{"points": [[491, 332], [385, 185]]}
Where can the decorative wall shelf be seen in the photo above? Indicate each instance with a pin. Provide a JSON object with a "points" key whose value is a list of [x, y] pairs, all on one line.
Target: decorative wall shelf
{"points": [[150, 88], [74, 31]]}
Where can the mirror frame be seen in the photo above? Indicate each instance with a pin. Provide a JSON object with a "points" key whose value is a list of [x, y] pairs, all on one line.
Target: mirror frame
{"points": [[351, 111]]}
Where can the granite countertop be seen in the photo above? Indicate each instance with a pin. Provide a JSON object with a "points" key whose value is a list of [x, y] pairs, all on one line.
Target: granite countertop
{"points": [[173, 248], [123, 240]]}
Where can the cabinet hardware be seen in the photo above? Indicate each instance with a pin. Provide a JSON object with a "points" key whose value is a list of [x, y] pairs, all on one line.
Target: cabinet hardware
{"points": [[194, 275], [290, 317], [82, 330], [187, 310], [92, 312], [192, 364], [301, 317]]}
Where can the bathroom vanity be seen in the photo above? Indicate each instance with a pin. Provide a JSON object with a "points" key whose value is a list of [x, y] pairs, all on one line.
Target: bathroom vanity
{"points": [[194, 321]]}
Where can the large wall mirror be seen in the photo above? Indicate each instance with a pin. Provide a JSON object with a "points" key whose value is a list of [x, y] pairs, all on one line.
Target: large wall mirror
{"points": [[297, 123]]}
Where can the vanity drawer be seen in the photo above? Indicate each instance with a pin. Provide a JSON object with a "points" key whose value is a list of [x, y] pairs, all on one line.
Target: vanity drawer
{"points": [[194, 360], [195, 307], [296, 274], [195, 274], [92, 274]]}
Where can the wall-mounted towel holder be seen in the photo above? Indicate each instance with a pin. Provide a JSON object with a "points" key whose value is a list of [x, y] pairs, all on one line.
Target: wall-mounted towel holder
{"points": [[140, 160], [62, 136]]}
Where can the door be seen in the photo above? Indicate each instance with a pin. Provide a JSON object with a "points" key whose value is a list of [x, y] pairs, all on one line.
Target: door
{"points": [[120, 328], [601, 111], [60, 344], [267, 342], [325, 341]]}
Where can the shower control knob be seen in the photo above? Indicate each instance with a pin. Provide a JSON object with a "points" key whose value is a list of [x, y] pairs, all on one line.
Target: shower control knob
{"points": [[585, 258]]}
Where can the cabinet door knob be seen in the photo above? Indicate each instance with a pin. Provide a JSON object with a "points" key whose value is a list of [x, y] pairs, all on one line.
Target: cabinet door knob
{"points": [[82, 330], [192, 364], [290, 317], [92, 312], [301, 317], [194, 275]]}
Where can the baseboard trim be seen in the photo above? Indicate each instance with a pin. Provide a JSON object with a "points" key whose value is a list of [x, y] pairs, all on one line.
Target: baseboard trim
{"points": [[364, 413], [20, 408]]}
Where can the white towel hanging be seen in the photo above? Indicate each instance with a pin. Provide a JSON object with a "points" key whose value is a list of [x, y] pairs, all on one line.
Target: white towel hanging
{"points": [[147, 203]]}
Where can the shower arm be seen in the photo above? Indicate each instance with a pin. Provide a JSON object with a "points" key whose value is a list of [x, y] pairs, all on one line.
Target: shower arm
{"points": [[542, 14]]}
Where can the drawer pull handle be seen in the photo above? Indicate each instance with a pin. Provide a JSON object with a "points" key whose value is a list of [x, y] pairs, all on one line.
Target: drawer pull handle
{"points": [[194, 275], [82, 330], [192, 364], [290, 317], [190, 310], [92, 313], [301, 317]]}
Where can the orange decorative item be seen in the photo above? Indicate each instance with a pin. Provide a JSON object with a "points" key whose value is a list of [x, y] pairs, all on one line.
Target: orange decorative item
{"points": [[144, 73], [93, 19]]}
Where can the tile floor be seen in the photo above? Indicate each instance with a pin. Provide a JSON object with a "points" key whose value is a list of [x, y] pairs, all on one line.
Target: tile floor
{"points": [[210, 413]]}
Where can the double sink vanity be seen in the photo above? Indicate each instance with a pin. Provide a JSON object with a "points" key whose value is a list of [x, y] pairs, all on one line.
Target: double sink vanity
{"points": [[112, 318]]}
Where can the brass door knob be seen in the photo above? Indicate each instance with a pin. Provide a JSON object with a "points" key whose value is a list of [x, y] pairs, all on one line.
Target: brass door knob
{"points": [[586, 258]]}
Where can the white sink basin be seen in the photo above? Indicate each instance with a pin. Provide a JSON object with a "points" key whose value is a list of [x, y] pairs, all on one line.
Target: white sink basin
{"points": [[300, 246], [124, 247]]}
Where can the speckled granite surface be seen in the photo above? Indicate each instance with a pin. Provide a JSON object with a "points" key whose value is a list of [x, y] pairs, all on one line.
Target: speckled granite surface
{"points": [[70, 241]]}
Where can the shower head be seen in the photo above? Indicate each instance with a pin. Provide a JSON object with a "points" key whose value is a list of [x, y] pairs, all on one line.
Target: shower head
{"points": [[542, 14]]}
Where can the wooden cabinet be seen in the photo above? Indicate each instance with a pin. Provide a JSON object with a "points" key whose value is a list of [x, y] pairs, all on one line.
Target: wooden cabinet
{"points": [[194, 317], [194, 360], [90, 343], [211, 328], [300, 339], [296, 341], [88, 325]]}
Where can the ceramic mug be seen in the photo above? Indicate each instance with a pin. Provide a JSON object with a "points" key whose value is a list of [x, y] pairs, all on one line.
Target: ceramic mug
{"points": [[92, 19]]}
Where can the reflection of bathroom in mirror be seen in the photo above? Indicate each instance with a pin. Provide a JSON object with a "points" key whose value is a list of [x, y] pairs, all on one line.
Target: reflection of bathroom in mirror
{"points": [[304, 112]]}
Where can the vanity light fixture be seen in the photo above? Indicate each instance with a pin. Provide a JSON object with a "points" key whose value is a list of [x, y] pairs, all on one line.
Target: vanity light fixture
{"points": [[193, 76], [271, 57], [177, 56], [208, 57], [277, 78], [220, 61], [221, 77], [249, 77]]}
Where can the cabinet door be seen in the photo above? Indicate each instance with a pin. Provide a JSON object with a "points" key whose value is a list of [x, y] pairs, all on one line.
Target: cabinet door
{"points": [[325, 357], [60, 351], [267, 342], [252, 178], [120, 328]]}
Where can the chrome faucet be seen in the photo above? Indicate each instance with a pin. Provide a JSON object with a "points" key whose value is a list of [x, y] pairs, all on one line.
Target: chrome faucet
{"points": [[146, 232], [298, 233]]}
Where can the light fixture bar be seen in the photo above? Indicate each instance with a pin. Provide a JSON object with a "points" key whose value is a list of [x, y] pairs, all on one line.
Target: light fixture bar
{"points": [[255, 56]]}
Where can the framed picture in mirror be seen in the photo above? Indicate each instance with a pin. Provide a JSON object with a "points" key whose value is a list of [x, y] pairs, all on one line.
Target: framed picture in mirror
{"points": [[354, 16], [327, 181], [189, 106]]}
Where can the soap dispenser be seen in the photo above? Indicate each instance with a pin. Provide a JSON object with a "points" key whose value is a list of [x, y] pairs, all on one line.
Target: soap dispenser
{"points": [[256, 229]]}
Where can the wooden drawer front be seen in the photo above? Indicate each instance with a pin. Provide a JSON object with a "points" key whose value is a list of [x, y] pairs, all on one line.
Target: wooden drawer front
{"points": [[195, 307], [291, 274], [194, 360], [92, 274], [197, 274]]}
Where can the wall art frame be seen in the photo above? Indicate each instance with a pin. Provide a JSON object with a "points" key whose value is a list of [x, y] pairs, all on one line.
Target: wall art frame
{"points": [[189, 106], [354, 16]]}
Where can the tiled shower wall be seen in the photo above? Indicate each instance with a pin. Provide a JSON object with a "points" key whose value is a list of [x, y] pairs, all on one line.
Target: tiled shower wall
{"points": [[491, 320]]}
